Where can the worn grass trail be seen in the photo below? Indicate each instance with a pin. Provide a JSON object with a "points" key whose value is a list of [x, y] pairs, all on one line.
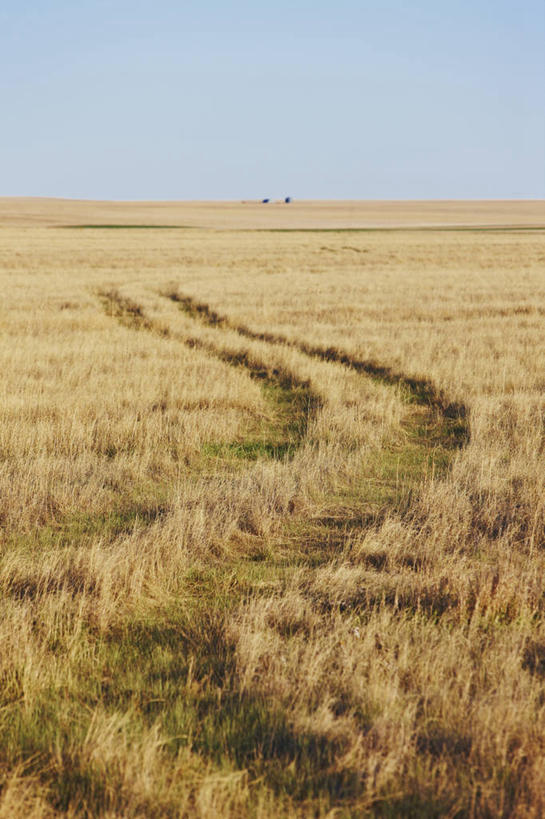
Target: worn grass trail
{"points": [[173, 668], [418, 390], [291, 400], [240, 729], [435, 427]]}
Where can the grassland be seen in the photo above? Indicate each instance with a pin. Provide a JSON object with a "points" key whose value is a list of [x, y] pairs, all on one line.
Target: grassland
{"points": [[272, 510]]}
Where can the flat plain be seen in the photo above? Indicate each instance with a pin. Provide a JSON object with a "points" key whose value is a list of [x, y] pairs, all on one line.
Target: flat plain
{"points": [[272, 509]]}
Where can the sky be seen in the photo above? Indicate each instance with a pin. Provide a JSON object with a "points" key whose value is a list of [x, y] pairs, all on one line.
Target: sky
{"points": [[176, 99]]}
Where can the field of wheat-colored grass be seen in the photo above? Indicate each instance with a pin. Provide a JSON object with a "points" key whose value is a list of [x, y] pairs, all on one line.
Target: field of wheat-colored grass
{"points": [[272, 510]]}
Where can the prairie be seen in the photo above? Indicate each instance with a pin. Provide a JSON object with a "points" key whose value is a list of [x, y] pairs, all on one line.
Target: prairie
{"points": [[272, 509]]}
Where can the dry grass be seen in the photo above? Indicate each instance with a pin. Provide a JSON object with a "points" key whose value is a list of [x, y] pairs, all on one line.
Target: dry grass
{"points": [[272, 519], [304, 214]]}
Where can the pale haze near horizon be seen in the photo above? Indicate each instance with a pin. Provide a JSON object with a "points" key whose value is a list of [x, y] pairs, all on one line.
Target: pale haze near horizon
{"points": [[166, 100]]}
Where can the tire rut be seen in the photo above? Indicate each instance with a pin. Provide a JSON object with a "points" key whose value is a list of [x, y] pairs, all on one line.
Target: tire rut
{"points": [[421, 391], [436, 429], [291, 399]]}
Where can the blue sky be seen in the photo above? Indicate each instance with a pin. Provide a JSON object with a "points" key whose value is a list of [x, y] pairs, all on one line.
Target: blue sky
{"points": [[114, 99]]}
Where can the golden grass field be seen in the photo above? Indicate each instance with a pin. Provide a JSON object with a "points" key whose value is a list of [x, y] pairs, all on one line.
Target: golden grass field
{"points": [[272, 509]]}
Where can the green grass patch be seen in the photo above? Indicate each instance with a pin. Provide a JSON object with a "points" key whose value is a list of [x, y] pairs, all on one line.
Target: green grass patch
{"points": [[249, 450], [176, 668], [139, 507], [130, 227], [182, 672], [278, 436], [408, 229]]}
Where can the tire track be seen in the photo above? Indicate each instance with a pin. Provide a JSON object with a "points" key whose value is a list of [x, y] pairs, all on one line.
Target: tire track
{"points": [[436, 427], [390, 482], [421, 391], [292, 400]]}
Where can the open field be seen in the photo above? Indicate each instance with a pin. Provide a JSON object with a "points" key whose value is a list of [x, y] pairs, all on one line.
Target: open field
{"points": [[272, 510], [299, 214]]}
